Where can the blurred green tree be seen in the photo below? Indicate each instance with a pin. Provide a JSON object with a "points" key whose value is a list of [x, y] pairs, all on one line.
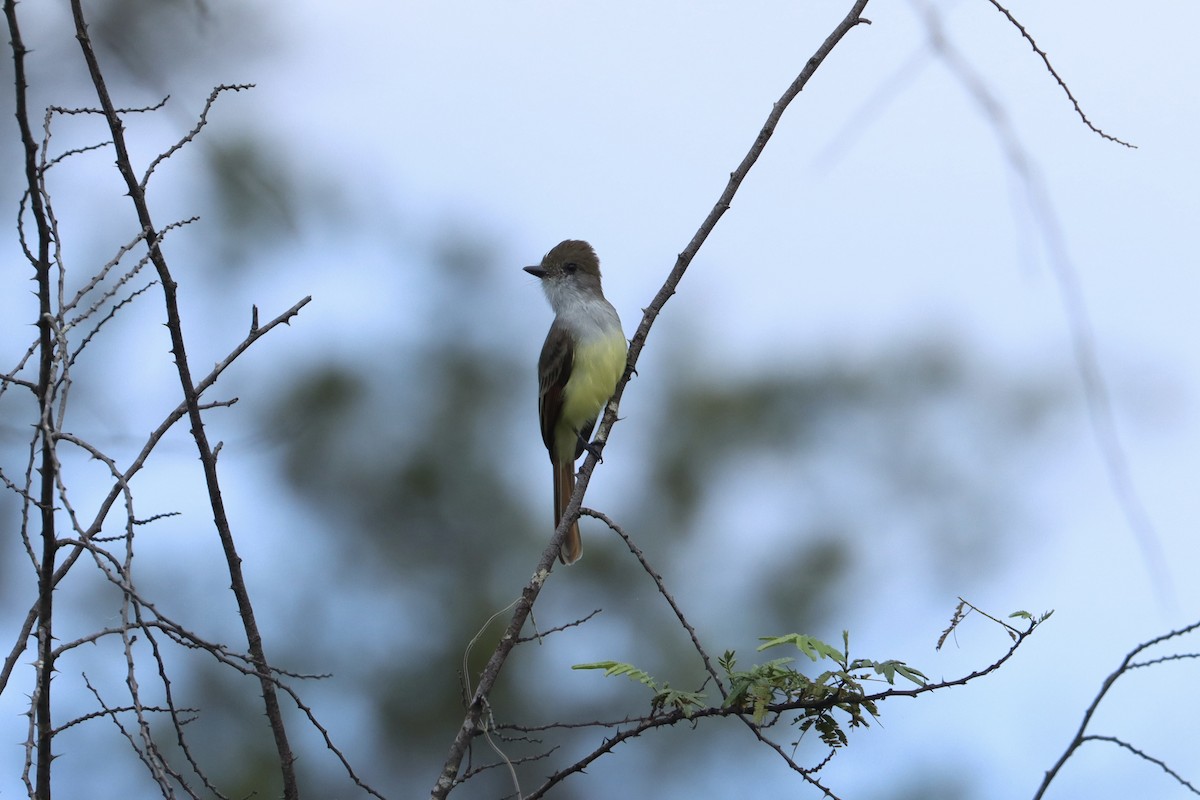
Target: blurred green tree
{"points": [[416, 459]]}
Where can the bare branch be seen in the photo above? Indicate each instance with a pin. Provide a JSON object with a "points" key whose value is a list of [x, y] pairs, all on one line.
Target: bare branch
{"points": [[539, 635], [191, 394], [506, 763], [807, 773], [1145, 757], [1083, 338], [40, 719], [662, 589], [155, 765], [112, 312], [1062, 84], [109, 711], [122, 479], [195, 131], [1081, 735], [78, 110]]}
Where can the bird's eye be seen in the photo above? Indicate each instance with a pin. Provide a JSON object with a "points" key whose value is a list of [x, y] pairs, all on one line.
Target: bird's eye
{"points": [[570, 267]]}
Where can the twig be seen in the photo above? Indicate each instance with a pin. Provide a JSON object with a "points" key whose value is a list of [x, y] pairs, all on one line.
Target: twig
{"points": [[1062, 84], [507, 763], [1081, 735], [807, 773], [662, 589], [1079, 326], [76, 110], [557, 628], [1145, 757], [201, 121]]}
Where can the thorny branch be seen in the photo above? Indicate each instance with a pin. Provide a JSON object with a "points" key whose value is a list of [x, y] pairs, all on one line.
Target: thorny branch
{"points": [[632, 727], [42, 727], [1127, 664], [121, 479], [45, 492], [191, 396], [662, 589]]}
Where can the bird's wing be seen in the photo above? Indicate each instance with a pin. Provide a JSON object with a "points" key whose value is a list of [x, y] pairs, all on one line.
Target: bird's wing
{"points": [[554, 370]]}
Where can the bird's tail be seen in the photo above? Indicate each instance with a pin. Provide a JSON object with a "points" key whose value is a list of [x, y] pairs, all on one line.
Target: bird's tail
{"points": [[564, 487]]}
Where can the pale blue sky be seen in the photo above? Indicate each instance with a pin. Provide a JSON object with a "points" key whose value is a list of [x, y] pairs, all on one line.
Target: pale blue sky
{"points": [[883, 207]]}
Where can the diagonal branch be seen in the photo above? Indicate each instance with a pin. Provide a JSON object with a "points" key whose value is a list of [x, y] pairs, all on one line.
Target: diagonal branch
{"points": [[1158, 762], [1081, 735], [756, 729], [1028, 37], [191, 135], [662, 589], [470, 726]]}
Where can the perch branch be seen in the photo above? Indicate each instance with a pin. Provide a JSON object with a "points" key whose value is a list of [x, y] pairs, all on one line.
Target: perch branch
{"points": [[470, 726]]}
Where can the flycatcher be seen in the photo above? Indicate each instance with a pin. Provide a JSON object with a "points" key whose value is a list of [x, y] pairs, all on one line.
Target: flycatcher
{"points": [[581, 362]]}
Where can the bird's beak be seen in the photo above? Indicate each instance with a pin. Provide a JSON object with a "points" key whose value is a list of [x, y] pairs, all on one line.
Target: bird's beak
{"points": [[537, 272]]}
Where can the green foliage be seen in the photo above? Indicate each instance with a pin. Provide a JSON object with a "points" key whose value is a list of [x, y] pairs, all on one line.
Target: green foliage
{"points": [[812, 647], [840, 688], [664, 696], [617, 668], [766, 684], [764, 689], [815, 649]]}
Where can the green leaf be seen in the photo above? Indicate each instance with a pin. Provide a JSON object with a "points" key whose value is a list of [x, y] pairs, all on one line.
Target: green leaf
{"points": [[811, 646], [914, 675], [612, 668], [737, 693], [680, 700], [664, 697]]}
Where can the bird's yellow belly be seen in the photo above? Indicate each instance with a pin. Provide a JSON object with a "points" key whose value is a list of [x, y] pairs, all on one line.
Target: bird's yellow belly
{"points": [[596, 368]]}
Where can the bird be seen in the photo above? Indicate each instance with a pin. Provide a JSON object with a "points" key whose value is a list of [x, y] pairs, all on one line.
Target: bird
{"points": [[581, 362]]}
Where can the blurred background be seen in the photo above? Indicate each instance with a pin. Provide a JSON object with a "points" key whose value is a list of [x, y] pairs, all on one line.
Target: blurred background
{"points": [[864, 402]]}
